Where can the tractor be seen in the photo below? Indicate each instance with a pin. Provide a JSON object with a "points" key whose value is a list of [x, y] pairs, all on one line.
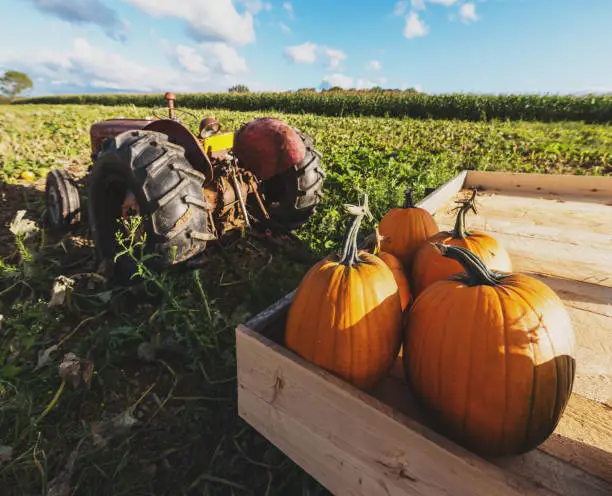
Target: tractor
{"points": [[188, 188]]}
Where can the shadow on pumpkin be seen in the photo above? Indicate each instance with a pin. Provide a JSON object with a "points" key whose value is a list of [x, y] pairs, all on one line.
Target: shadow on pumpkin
{"points": [[364, 350]]}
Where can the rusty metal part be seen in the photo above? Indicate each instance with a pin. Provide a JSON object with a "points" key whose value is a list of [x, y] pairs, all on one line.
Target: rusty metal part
{"points": [[170, 97], [181, 136], [255, 189], [268, 146], [101, 131], [239, 194], [208, 126]]}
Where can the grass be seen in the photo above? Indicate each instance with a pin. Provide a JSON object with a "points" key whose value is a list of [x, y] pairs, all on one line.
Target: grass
{"points": [[157, 413]]}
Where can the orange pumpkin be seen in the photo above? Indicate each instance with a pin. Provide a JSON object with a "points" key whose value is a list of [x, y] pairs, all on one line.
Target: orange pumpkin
{"points": [[405, 228], [491, 356], [346, 316], [400, 277], [430, 267]]}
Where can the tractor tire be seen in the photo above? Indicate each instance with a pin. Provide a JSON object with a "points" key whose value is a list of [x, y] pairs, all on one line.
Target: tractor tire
{"points": [[62, 200], [292, 196], [151, 174]]}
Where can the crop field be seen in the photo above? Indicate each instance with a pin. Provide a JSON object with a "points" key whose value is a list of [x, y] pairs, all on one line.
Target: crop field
{"points": [[147, 402]]}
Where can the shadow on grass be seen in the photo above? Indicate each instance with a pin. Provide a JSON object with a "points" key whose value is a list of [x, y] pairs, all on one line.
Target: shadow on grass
{"points": [[160, 416]]}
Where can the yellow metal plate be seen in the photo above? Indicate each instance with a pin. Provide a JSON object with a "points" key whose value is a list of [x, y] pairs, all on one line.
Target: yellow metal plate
{"points": [[218, 142]]}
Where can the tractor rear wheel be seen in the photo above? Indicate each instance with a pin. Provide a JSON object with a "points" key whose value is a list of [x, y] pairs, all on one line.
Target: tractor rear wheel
{"points": [[62, 200], [292, 196], [142, 173]]}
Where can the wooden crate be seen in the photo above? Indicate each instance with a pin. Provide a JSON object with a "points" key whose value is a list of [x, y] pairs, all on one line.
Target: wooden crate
{"points": [[556, 228]]}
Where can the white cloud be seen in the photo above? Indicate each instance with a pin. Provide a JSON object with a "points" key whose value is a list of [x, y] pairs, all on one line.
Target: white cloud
{"points": [[216, 20], [210, 66], [289, 9], [227, 59], [306, 53], [284, 27], [256, 6], [337, 79], [406, 86], [418, 4], [415, 27], [446, 3], [335, 56], [189, 58], [400, 7], [363, 84], [467, 13], [373, 65]]}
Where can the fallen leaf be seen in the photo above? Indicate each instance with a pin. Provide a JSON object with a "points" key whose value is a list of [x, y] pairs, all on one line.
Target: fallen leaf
{"points": [[61, 287], [76, 370], [124, 420], [6, 453], [44, 357]]}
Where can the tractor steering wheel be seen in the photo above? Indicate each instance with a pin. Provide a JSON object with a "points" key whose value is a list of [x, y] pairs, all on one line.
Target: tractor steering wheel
{"points": [[162, 113]]}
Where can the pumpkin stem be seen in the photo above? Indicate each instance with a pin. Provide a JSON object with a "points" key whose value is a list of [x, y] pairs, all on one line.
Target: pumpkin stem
{"points": [[460, 232], [408, 199], [350, 253], [476, 271]]}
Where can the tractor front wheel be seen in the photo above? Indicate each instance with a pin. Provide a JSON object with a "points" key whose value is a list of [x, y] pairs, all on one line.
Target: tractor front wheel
{"points": [[140, 173], [292, 195]]}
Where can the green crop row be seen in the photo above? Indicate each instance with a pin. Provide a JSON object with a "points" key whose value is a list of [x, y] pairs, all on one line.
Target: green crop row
{"points": [[469, 107]]}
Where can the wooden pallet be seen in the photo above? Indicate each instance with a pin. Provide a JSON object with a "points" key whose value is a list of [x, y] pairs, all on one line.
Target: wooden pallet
{"points": [[556, 228]]}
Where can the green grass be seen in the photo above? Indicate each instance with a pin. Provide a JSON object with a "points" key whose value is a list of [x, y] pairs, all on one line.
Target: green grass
{"points": [[186, 437], [390, 103]]}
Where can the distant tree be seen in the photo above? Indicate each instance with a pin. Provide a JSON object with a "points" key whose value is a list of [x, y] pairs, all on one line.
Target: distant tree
{"points": [[239, 88], [15, 82]]}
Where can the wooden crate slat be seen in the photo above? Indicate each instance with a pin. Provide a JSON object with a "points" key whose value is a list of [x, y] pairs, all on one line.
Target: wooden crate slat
{"points": [[402, 456], [521, 183]]}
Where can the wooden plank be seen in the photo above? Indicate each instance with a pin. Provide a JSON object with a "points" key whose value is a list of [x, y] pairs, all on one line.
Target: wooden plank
{"points": [[443, 194], [571, 261], [593, 187], [384, 451], [569, 222], [583, 437]]}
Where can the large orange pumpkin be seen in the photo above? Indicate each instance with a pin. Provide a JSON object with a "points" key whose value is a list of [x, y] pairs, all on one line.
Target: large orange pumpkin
{"points": [[400, 277], [405, 228], [429, 266], [491, 356], [346, 316]]}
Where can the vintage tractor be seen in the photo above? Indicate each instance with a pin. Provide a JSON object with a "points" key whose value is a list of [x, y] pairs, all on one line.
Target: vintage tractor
{"points": [[188, 189]]}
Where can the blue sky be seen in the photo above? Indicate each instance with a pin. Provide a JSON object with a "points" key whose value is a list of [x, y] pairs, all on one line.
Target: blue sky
{"points": [[439, 46]]}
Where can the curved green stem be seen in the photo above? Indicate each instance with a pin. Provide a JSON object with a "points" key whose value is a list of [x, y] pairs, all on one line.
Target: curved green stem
{"points": [[460, 232], [476, 271], [408, 199], [350, 252]]}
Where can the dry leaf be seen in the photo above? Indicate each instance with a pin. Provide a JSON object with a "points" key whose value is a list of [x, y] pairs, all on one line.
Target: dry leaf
{"points": [[44, 357], [61, 287], [76, 370], [6, 453]]}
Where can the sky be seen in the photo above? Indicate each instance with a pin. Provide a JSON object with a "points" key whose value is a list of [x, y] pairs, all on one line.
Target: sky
{"points": [[435, 46]]}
